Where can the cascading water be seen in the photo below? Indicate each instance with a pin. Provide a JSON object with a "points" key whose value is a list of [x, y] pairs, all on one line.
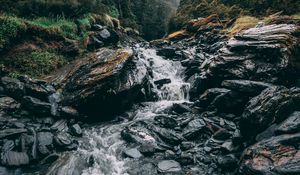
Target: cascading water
{"points": [[104, 143]]}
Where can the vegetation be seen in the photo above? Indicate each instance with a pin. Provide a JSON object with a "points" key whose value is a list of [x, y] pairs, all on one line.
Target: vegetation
{"points": [[230, 9]]}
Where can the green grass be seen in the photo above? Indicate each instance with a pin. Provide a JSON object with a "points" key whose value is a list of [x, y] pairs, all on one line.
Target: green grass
{"points": [[35, 64], [9, 29]]}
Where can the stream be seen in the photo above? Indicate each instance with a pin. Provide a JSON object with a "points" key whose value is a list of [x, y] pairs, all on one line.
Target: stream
{"points": [[104, 143]]}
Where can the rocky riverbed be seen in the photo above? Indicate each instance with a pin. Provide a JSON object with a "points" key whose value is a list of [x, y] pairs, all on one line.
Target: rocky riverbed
{"points": [[197, 102]]}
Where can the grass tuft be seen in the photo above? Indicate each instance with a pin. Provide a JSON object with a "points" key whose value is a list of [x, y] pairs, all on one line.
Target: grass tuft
{"points": [[243, 23]]}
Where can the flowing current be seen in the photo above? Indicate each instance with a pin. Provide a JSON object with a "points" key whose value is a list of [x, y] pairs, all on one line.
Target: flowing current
{"points": [[104, 143]]}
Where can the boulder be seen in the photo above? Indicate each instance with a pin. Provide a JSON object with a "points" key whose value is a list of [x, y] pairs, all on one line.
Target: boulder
{"points": [[268, 54], [273, 105], [36, 106], [133, 153], [105, 80], [169, 166], [11, 132], [13, 87], [194, 128], [12, 158], [290, 125], [276, 156], [8, 104]]}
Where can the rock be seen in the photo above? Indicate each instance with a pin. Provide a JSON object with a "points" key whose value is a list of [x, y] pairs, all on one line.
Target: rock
{"points": [[187, 145], [160, 83], [167, 135], [228, 162], [8, 145], [147, 149], [11, 132], [68, 164], [60, 125], [277, 155], [76, 130], [169, 166], [68, 111], [273, 105], [246, 87], [12, 158], [194, 128], [222, 134], [108, 36], [266, 54], [186, 159], [45, 140], [133, 153], [290, 125], [13, 87], [165, 121], [112, 79], [268, 133], [180, 108], [63, 139], [8, 104], [209, 95], [38, 89], [168, 52], [36, 106]]}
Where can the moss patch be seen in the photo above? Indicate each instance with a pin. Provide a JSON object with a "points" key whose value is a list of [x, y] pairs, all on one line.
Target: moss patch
{"points": [[243, 23]]}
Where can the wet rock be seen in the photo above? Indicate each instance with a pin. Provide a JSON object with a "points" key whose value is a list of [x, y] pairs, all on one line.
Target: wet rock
{"points": [[12, 158], [60, 125], [133, 153], [165, 121], [194, 128], [38, 89], [273, 105], [13, 87], [180, 108], [169, 166], [209, 95], [160, 83], [36, 106], [251, 88], [45, 140], [186, 145], [186, 159], [168, 52], [147, 149], [277, 155], [268, 133], [76, 130], [68, 164], [8, 146], [266, 54], [167, 135], [8, 104], [222, 134], [290, 125], [108, 36], [68, 111], [112, 79], [228, 162], [11, 132], [63, 139]]}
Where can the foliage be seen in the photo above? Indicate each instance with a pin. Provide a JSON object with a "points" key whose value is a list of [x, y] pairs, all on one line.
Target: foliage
{"points": [[243, 23], [36, 63], [9, 29]]}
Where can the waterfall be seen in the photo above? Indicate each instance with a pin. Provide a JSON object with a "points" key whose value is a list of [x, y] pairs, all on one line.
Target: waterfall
{"points": [[104, 143]]}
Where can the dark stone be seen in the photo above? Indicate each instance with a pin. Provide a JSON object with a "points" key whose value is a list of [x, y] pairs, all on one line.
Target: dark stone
{"points": [[8, 145], [60, 125], [228, 162], [169, 166], [167, 52], [13, 87], [147, 149], [76, 130], [251, 88], [68, 111], [63, 139], [108, 78], [273, 105], [276, 155], [194, 128], [186, 159], [133, 153], [45, 140], [209, 95], [181, 108], [160, 83], [166, 121], [11, 132], [187, 145], [12, 158], [167, 135], [268, 133], [222, 134], [9, 105], [36, 106], [290, 125]]}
